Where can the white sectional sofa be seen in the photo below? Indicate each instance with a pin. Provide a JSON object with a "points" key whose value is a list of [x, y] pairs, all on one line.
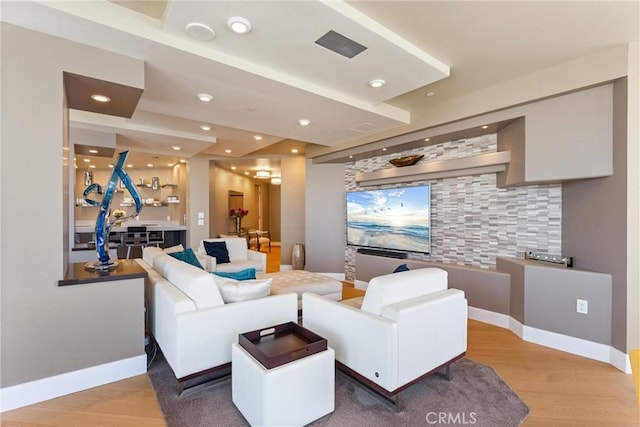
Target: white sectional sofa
{"points": [[240, 255], [192, 324]]}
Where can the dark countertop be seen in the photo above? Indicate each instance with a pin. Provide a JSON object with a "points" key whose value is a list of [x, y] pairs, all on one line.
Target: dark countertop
{"points": [[77, 274], [85, 247]]}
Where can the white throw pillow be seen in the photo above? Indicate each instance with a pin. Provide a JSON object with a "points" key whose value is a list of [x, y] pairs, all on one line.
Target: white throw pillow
{"points": [[173, 249], [242, 290], [149, 253]]}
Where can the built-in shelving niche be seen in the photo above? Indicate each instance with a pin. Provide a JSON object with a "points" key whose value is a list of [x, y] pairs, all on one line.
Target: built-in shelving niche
{"points": [[480, 164]]}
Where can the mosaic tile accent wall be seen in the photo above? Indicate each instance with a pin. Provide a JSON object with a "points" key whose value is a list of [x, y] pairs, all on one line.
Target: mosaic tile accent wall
{"points": [[473, 221]]}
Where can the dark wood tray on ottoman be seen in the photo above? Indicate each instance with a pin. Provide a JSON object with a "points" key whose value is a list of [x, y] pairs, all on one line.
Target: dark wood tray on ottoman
{"points": [[276, 345]]}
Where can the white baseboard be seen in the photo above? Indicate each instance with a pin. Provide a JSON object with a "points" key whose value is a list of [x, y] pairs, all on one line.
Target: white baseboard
{"points": [[490, 317], [36, 391], [336, 276], [620, 360], [569, 344]]}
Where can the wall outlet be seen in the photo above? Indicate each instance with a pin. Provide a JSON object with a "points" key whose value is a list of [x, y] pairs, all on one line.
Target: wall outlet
{"points": [[582, 306]]}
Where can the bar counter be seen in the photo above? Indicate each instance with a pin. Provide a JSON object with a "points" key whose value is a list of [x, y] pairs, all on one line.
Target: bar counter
{"points": [[151, 226], [77, 274]]}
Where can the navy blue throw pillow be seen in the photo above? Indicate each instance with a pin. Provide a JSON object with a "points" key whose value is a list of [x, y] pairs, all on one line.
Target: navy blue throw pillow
{"points": [[218, 250], [400, 268]]}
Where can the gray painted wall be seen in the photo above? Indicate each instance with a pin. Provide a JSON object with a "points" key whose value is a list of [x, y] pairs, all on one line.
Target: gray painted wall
{"points": [[516, 288], [484, 288], [569, 137], [46, 329], [325, 232], [550, 297], [594, 220]]}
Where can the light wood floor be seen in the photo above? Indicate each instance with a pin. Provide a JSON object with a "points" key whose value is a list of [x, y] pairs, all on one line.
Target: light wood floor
{"points": [[561, 389]]}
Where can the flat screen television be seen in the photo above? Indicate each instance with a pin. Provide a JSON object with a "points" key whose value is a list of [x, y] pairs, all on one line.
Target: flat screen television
{"points": [[396, 219]]}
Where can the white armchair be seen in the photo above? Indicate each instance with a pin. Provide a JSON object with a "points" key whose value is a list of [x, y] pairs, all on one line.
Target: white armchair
{"points": [[240, 256], [409, 326]]}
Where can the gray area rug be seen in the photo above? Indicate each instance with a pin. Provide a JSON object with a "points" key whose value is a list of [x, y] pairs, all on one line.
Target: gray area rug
{"points": [[476, 396]]}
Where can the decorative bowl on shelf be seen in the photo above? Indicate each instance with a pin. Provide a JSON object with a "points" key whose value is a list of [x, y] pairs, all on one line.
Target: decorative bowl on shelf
{"points": [[406, 161]]}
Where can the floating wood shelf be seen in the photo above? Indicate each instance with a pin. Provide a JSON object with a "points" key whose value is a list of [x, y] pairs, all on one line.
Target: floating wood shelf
{"points": [[483, 163]]}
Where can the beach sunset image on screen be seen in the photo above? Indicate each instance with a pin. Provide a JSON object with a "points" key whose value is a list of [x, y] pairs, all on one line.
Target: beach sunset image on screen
{"points": [[397, 219]]}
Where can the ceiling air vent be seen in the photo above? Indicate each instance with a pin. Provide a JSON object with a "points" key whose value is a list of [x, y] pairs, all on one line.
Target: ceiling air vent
{"points": [[340, 44], [365, 127]]}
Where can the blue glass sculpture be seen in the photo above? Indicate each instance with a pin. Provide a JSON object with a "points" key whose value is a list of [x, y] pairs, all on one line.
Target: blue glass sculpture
{"points": [[105, 220]]}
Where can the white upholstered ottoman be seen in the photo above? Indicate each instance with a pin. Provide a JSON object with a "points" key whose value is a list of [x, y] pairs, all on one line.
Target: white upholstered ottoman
{"points": [[294, 394], [301, 281]]}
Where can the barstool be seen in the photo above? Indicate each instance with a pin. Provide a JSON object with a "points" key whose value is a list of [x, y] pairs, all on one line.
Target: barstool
{"points": [[135, 239], [121, 249], [156, 238]]}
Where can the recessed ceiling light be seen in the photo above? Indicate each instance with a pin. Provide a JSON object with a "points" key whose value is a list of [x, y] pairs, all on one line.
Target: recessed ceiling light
{"points": [[376, 83], [149, 165], [257, 137], [111, 166], [246, 173], [351, 157], [227, 151], [183, 161], [205, 127], [205, 97], [176, 148], [200, 31], [485, 127], [294, 150], [93, 151], [276, 180], [239, 25], [170, 164], [233, 168], [304, 122], [129, 166], [430, 93], [384, 149], [427, 139], [92, 166], [100, 98], [86, 160], [262, 174]]}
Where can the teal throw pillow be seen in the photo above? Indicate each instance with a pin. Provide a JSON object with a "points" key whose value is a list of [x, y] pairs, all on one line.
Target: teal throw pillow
{"points": [[247, 274], [218, 250], [187, 256]]}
